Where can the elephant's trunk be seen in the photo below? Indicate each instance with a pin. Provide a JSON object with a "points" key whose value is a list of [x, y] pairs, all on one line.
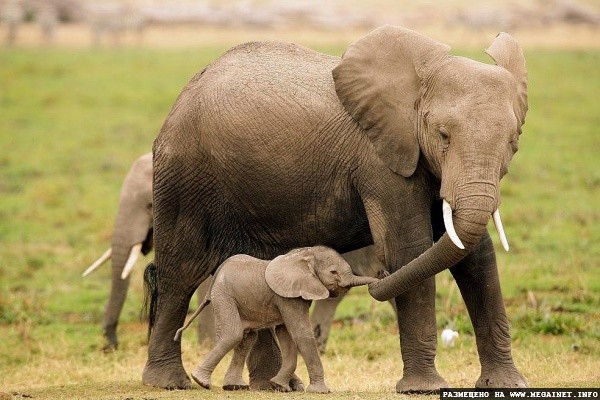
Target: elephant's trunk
{"points": [[355, 280], [469, 224]]}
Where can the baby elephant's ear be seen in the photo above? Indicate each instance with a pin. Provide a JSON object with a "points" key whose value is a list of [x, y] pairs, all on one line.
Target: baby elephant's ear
{"points": [[292, 275]]}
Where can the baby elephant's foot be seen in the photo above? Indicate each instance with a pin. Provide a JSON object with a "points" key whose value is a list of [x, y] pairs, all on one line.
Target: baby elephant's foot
{"points": [[201, 377], [280, 384], [318, 388], [234, 382]]}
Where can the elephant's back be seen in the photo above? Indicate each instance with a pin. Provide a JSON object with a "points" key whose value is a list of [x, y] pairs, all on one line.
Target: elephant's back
{"points": [[270, 67], [256, 87]]}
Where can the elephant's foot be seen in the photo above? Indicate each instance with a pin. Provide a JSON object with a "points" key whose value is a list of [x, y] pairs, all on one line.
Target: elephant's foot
{"points": [[261, 385], [420, 383], [202, 377], [281, 383], [501, 377], [109, 347], [296, 384], [166, 377], [111, 343], [236, 387], [234, 384], [319, 387]]}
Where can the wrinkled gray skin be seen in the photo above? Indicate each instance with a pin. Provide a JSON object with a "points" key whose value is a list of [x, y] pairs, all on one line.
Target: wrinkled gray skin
{"points": [[133, 226], [274, 146], [250, 294]]}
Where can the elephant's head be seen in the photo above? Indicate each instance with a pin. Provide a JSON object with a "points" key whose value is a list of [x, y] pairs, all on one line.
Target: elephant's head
{"points": [[459, 118], [313, 273], [132, 232]]}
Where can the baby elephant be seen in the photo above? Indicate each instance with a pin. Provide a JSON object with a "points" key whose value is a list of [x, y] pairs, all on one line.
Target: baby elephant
{"points": [[248, 294]]}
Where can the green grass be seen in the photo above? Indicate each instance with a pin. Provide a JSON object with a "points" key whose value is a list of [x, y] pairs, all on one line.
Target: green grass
{"points": [[72, 122]]}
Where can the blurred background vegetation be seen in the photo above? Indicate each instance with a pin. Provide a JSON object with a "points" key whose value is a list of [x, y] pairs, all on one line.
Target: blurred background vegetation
{"points": [[77, 107]]}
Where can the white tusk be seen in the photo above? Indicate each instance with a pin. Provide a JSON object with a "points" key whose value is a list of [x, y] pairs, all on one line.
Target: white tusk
{"points": [[450, 226], [103, 258], [133, 256], [500, 229]]}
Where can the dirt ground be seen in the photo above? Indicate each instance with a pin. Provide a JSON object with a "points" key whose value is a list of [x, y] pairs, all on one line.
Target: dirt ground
{"points": [[558, 36]]}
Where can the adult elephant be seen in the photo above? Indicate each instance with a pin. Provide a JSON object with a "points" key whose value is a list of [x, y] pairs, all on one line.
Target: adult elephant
{"points": [[275, 146]]}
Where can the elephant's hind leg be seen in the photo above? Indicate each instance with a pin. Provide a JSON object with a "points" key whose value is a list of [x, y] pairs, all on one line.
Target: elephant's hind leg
{"points": [[229, 335], [233, 377], [164, 367]]}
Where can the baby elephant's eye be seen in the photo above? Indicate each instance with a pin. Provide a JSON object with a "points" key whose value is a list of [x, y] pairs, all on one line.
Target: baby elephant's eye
{"points": [[333, 272]]}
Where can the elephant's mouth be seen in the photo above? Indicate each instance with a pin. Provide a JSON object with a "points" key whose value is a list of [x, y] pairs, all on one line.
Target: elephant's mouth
{"points": [[449, 225]]}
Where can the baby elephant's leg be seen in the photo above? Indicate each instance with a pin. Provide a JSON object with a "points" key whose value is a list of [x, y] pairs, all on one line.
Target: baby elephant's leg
{"points": [[289, 355], [233, 377], [229, 334], [297, 321]]}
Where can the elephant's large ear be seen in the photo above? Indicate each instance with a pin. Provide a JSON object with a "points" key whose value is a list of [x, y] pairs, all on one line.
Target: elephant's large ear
{"points": [[506, 53], [293, 275], [378, 81]]}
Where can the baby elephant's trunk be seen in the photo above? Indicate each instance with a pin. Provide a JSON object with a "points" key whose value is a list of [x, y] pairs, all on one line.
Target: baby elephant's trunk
{"points": [[354, 280]]}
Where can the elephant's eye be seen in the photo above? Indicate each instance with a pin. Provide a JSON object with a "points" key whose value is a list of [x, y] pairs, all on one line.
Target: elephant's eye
{"points": [[444, 133], [333, 272]]}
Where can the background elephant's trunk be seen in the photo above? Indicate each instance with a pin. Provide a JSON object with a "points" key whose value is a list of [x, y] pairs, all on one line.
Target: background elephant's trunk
{"points": [[132, 236], [118, 292], [469, 223]]}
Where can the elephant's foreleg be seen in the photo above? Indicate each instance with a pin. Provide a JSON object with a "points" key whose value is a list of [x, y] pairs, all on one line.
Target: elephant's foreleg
{"points": [[418, 340], [477, 279], [297, 323], [401, 229], [322, 318], [264, 361]]}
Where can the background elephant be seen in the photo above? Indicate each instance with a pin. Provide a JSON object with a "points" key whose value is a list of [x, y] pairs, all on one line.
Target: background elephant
{"points": [[132, 235], [398, 144], [134, 222], [249, 294]]}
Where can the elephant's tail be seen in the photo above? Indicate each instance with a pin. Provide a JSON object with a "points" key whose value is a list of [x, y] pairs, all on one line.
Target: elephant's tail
{"points": [[201, 307], [204, 303], [150, 295]]}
